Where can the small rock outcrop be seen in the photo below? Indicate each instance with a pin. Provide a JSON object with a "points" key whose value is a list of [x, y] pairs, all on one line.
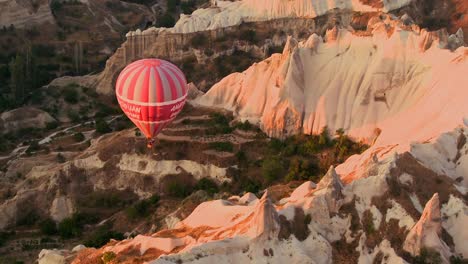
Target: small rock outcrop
{"points": [[53, 256], [264, 223], [25, 13], [427, 231], [302, 191], [247, 198], [331, 187], [24, 117], [62, 207]]}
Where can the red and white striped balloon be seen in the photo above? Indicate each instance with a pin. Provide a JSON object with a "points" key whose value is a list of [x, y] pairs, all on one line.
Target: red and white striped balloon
{"points": [[151, 92]]}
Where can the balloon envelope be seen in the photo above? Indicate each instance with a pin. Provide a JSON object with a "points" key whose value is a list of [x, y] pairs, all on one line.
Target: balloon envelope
{"points": [[151, 92]]}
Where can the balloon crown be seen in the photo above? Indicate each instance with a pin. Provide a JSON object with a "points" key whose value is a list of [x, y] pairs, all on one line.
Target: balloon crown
{"points": [[151, 62]]}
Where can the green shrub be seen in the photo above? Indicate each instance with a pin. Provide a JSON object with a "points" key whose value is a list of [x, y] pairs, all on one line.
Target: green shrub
{"points": [[154, 199], [29, 219], [105, 111], [52, 125], [78, 137], [138, 210], [179, 190], [4, 236], [250, 186], [458, 260], [271, 168], [368, 223], [43, 51], [207, 185], [241, 156], [248, 35], [102, 236], [166, 20], [102, 127], [48, 227], [60, 158], [68, 228], [302, 169], [71, 94], [275, 145], [219, 124], [108, 257], [222, 146], [209, 52], [73, 226], [199, 40], [172, 5], [73, 116], [245, 126], [33, 147], [324, 138], [428, 256], [55, 5], [188, 6]]}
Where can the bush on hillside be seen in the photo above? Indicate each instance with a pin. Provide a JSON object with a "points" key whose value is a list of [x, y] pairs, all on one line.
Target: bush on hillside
{"points": [[70, 94], [102, 236], [102, 127], [222, 146], [78, 137], [272, 168], [179, 190], [166, 20], [48, 227], [207, 185]]}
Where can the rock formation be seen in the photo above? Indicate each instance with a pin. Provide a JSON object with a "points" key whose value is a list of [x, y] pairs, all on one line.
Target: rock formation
{"points": [[306, 89], [234, 13], [31, 117], [22, 13], [427, 231]]}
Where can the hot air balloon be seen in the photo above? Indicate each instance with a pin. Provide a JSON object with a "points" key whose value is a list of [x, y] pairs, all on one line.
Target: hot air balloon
{"points": [[151, 92]]}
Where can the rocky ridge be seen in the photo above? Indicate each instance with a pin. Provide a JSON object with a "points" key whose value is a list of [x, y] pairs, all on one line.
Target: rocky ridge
{"points": [[317, 223], [298, 90]]}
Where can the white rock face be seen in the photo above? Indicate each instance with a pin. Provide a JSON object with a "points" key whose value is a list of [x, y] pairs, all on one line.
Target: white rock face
{"points": [[226, 13], [24, 13], [456, 212], [62, 207], [248, 198], [426, 233], [161, 168], [367, 256], [239, 231], [24, 117], [53, 256], [302, 191], [447, 155], [305, 89], [399, 213]]}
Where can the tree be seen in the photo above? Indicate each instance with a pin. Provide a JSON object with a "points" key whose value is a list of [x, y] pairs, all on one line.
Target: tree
{"points": [[23, 74], [166, 21], [48, 227], [78, 57], [69, 228], [102, 127], [207, 185], [55, 5], [324, 138], [271, 168], [17, 81]]}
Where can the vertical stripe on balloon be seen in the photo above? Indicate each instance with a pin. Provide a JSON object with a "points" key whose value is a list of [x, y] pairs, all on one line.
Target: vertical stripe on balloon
{"points": [[171, 84], [178, 87]]}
